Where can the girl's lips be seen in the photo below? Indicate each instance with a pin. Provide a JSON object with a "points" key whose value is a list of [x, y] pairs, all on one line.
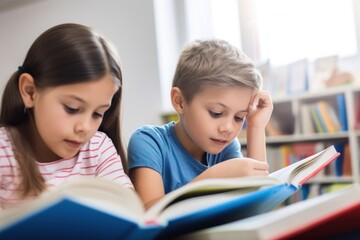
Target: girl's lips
{"points": [[73, 143]]}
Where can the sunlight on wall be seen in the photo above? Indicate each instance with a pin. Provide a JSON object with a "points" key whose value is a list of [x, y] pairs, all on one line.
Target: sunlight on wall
{"points": [[213, 19], [305, 28]]}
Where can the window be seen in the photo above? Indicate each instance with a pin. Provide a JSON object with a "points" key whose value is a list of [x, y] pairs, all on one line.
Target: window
{"points": [[289, 30], [212, 19]]}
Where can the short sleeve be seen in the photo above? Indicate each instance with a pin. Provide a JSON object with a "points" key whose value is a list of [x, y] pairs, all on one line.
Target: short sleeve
{"points": [[144, 150]]}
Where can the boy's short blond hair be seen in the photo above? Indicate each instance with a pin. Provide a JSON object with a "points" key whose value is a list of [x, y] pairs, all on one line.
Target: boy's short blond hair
{"points": [[214, 63]]}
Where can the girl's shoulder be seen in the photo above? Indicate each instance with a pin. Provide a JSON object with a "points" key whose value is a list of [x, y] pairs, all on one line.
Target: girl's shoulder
{"points": [[4, 137], [6, 149], [99, 135], [97, 141]]}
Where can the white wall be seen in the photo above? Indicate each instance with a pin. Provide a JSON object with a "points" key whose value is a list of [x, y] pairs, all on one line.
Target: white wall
{"points": [[171, 38], [128, 23]]}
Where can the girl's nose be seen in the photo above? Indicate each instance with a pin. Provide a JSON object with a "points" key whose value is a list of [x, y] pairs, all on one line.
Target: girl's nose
{"points": [[83, 125]]}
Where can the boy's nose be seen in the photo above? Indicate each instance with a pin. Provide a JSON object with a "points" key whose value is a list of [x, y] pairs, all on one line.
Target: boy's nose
{"points": [[226, 127]]}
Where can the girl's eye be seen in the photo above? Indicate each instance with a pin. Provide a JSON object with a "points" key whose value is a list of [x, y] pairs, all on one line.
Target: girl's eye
{"points": [[70, 109], [98, 115], [215, 114]]}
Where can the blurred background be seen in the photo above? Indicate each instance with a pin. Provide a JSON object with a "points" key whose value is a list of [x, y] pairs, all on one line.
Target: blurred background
{"points": [[299, 45]]}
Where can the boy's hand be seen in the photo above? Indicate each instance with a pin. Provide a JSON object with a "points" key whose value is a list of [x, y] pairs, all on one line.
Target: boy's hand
{"points": [[236, 167], [260, 109], [240, 167]]}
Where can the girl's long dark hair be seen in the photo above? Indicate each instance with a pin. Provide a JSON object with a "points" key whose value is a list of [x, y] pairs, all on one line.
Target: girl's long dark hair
{"points": [[64, 54]]}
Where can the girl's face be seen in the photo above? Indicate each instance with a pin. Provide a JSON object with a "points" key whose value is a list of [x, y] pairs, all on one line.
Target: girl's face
{"points": [[67, 116], [213, 119]]}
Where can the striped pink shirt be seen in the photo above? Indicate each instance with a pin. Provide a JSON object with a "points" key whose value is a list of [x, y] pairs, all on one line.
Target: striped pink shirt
{"points": [[97, 158]]}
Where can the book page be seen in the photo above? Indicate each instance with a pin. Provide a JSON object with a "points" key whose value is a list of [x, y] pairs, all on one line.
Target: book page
{"points": [[284, 174], [301, 171], [100, 194], [207, 188], [106, 196], [199, 203]]}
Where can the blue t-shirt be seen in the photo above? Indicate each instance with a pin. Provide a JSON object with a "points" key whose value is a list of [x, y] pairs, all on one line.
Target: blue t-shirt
{"points": [[158, 148]]}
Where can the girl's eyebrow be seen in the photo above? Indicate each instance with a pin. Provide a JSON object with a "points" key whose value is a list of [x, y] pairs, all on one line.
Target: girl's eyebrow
{"points": [[83, 101]]}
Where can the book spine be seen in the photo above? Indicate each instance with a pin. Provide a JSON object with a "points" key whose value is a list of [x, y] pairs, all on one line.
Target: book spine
{"points": [[339, 162], [316, 120], [342, 111]]}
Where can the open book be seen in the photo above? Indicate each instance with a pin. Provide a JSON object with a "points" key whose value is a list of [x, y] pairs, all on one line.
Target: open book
{"points": [[97, 209], [334, 215]]}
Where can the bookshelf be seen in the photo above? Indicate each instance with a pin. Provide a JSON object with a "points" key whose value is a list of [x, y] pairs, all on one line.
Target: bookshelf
{"points": [[288, 119]]}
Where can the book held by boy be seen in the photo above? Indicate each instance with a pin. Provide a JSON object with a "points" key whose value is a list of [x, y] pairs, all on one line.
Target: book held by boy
{"points": [[91, 208]]}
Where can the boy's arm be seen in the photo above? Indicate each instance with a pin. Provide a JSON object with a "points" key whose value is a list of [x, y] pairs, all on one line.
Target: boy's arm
{"points": [[256, 144], [260, 110], [148, 184], [144, 158]]}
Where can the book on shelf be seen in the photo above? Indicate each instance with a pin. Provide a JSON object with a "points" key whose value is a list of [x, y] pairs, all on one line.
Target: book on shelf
{"points": [[340, 99], [346, 167], [357, 113], [334, 215], [316, 189], [328, 116], [94, 208], [316, 118], [321, 117], [307, 124]]}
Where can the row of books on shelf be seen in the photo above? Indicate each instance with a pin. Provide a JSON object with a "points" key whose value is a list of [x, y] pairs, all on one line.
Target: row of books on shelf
{"points": [[322, 117], [311, 190], [287, 154]]}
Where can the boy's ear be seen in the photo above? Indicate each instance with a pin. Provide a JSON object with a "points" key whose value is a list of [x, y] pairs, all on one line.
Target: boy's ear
{"points": [[177, 100], [27, 89]]}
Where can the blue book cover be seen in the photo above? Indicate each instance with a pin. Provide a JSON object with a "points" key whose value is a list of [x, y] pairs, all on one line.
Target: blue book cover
{"points": [[68, 219], [339, 162]]}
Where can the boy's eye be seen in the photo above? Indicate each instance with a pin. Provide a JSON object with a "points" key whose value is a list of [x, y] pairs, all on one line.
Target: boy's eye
{"points": [[70, 109], [239, 119], [215, 114]]}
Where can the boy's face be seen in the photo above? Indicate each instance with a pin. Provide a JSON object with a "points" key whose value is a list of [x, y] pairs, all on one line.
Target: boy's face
{"points": [[67, 116], [214, 118]]}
